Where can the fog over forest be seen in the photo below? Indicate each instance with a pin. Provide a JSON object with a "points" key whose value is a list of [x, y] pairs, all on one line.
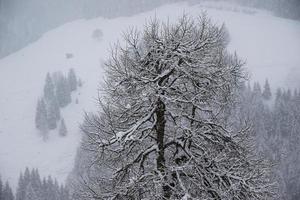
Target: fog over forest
{"points": [[22, 22], [149, 99]]}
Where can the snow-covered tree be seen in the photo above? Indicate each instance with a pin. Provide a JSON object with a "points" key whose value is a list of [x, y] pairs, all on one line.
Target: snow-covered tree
{"points": [[161, 131], [24, 180], [257, 89], [63, 92], [56, 190], [49, 90], [20, 193], [41, 119], [276, 128], [64, 193], [36, 182], [7, 193], [72, 80], [52, 115], [79, 83], [62, 128], [52, 107], [267, 94], [1, 189], [31, 187], [31, 194], [52, 189]]}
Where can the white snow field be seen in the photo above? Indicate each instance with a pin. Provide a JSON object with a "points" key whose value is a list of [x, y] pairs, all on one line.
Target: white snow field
{"points": [[269, 44]]}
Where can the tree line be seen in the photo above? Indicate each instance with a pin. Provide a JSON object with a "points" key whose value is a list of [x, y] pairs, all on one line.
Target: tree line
{"points": [[275, 121], [6, 192], [32, 187], [286, 8]]}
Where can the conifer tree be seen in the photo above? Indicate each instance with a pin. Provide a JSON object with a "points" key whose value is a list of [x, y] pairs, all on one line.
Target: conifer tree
{"points": [[44, 188], [64, 193], [49, 195], [52, 114], [256, 89], [21, 188], [7, 192], [26, 176], [276, 128], [24, 180], [62, 128], [31, 187], [72, 80], [249, 87], [267, 91], [49, 90], [35, 181], [287, 95], [1, 189], [31, 193], [51, 102], [41, 119], [56, 190], [63, 92], [79, 83]]}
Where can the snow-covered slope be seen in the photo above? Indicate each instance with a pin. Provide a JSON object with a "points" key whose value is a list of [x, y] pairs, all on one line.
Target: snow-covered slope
{"points": [[270, 45]]}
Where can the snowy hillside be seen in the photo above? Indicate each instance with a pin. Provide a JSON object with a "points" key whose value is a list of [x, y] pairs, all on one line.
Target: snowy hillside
{"points": [[270, 46]]}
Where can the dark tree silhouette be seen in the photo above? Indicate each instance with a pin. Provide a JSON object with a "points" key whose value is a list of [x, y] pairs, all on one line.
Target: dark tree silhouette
{"points": [[267, 94]]}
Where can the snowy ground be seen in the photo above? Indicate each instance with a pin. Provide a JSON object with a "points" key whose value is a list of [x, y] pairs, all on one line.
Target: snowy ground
{"points": [[270, 45]]}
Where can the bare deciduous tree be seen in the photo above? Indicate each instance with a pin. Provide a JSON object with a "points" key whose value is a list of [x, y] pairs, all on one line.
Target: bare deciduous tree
{"points": [[161, 131]]}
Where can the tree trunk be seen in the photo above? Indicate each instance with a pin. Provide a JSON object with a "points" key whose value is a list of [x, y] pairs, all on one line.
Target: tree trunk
{"points": [[160, 160]]}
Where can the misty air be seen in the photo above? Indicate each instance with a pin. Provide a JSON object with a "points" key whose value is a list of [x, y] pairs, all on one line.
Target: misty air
{"points": [[150, 100]]}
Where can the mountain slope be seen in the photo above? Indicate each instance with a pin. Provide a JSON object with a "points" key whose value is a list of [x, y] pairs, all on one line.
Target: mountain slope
{"points": [[270, 45]]}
